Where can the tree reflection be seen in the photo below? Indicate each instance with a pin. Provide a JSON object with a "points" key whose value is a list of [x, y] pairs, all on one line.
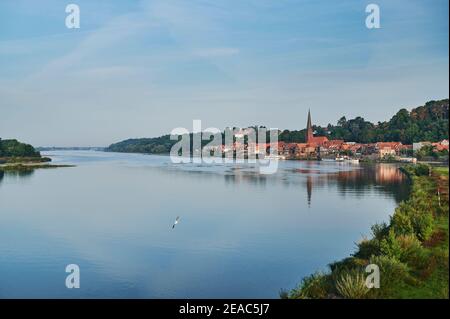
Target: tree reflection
{"points": [[15, 174]]}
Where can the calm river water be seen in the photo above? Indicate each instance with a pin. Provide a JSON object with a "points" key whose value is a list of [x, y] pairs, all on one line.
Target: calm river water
{"points": [[240, 235]]}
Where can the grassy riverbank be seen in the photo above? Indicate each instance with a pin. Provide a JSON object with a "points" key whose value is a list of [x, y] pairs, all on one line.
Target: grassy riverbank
{"points": [[411, 251], [12, 160], [28, 166]]}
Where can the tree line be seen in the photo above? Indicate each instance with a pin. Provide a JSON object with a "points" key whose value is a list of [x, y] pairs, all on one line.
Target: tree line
{"points": [[424, 123], [14, 148]]}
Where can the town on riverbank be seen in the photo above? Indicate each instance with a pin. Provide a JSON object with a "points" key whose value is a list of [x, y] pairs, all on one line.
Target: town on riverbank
{"points": [[418, 135], [321, 147]]}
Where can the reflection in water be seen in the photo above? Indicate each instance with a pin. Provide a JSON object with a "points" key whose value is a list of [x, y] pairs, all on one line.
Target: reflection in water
{"points": [[309, 186], [16, 174], [387, 179], [113, 216]]}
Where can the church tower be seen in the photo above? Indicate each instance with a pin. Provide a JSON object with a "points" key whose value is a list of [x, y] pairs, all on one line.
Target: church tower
{"points": [[309, 131]]}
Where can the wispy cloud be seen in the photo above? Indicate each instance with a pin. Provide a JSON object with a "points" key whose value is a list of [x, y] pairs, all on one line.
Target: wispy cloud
{"points": [[216, 52]]}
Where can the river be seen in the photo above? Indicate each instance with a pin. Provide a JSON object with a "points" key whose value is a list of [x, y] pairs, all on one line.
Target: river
{"points": [[241, 234]]}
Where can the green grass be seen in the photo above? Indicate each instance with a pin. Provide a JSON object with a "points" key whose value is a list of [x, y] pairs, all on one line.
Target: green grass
{"points": [[441, 170]]}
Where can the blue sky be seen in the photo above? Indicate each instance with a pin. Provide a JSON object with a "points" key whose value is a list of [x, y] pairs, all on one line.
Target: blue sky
{"points": [[142, 68]]}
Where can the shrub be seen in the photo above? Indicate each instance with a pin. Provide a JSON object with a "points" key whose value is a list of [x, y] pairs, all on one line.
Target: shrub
{"points": [[347, 264], [422, 169], [390, 247], [401, 222], [368, 248], [315, 286], [380, 231], [423, 225], [352, 285], [413, 218], [392, 272], [411, 249]]}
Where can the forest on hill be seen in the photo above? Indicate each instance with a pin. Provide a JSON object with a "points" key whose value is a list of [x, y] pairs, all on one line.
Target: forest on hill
{"points": [[424, 123], [14, 148]]}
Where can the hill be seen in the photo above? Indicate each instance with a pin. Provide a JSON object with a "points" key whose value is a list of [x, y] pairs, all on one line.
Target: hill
{"points": [[424, 123], [14, 148]]}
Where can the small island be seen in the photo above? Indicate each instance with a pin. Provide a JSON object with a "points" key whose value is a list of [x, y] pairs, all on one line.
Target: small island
{"points": [[17, 156]]}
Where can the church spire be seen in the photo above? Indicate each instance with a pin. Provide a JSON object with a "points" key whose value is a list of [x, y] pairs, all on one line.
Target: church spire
{"points": [[309, 131]]}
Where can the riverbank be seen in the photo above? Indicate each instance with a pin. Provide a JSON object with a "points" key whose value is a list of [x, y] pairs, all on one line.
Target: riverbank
{"points": [[29, 166], [18, 160], [411, 252]]}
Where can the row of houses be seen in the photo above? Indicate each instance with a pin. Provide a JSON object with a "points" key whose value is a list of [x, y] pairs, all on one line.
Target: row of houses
{"points": [[325, 148], [321, 147], [438, 146]]}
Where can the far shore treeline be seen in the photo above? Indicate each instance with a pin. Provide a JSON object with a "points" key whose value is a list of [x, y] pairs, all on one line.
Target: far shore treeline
{"points": [[424, 123]]}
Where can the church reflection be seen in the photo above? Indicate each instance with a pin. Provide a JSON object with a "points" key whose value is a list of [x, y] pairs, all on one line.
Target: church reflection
{"points": [[309, 187]]}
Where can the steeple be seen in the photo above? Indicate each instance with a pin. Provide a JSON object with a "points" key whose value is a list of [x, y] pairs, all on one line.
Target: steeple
{"points": [[309, 131]]}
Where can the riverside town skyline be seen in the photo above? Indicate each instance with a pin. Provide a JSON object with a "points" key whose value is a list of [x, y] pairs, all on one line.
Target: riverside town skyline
{"points": [[314, 147]]}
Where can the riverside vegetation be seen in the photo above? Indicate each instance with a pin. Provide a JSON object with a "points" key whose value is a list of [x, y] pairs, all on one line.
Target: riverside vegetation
{"points": [[17, 156], [411, 252]]}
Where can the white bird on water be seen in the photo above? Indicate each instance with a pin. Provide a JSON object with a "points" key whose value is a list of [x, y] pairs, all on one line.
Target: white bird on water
{"points": [[176, 222]]}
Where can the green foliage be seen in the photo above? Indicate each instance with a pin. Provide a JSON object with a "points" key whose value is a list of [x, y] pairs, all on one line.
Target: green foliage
{"points": [[379, 231], [315, 286], [423, 225], [415, 217], [411, 249], [392, 274], [412, 252], [424, 123], [158, 145], [422, 169], [347, 264], [352, 285], [13, 148], [368, 248], [390, 247], [401, 221]]}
